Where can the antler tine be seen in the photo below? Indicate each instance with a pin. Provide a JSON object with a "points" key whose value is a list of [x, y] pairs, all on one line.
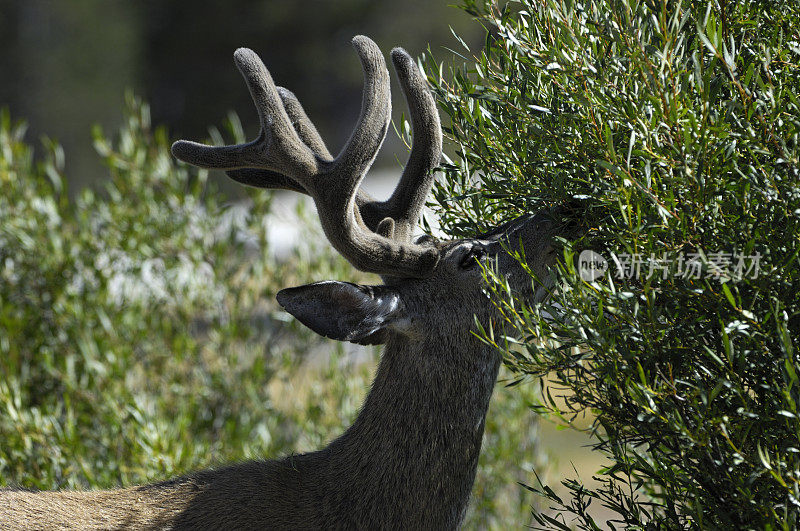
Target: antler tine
{"points": [[406, 202], [305, 129], [358, 154], [303, 124], [277, 147], [368, 249]]}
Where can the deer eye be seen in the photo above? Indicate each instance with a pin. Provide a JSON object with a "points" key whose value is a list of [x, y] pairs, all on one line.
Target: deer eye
{"points": [[472, 258]]}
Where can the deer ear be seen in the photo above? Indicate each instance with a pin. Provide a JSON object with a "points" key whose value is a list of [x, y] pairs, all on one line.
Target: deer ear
{"points": [[345, 311]]}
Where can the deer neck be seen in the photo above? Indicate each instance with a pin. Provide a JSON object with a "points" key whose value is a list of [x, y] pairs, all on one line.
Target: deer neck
{"points": [[414, 447]]}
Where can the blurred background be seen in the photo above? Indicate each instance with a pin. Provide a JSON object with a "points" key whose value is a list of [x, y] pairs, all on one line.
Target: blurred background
{"points": [[64, 66]]}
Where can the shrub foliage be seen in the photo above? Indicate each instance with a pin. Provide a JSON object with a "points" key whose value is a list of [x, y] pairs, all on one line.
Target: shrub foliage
{"points": [[127, 317], [675, 125]]}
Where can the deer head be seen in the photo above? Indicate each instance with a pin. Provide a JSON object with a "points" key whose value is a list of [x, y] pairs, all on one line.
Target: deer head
{"points": [[424, 279]]}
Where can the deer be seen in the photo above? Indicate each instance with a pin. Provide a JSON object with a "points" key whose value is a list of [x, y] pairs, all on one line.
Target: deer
{"points": [[409, 459]]}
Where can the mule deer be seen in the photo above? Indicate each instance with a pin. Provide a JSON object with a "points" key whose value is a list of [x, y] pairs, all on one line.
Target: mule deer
{"points": [[410, 457]]}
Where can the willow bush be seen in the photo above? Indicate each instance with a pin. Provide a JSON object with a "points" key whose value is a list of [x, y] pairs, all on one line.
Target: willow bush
{"points": [[675, 323], [133, 327]]}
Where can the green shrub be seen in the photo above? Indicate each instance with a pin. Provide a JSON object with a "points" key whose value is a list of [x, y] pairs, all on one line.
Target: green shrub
{"points": [[675, 125], [136, 340]]}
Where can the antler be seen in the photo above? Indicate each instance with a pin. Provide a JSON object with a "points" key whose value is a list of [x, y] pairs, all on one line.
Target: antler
{"points": [[289, 153]]}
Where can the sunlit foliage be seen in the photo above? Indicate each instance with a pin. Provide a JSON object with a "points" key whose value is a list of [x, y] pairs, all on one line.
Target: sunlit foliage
{"points": [[671, 128]]}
